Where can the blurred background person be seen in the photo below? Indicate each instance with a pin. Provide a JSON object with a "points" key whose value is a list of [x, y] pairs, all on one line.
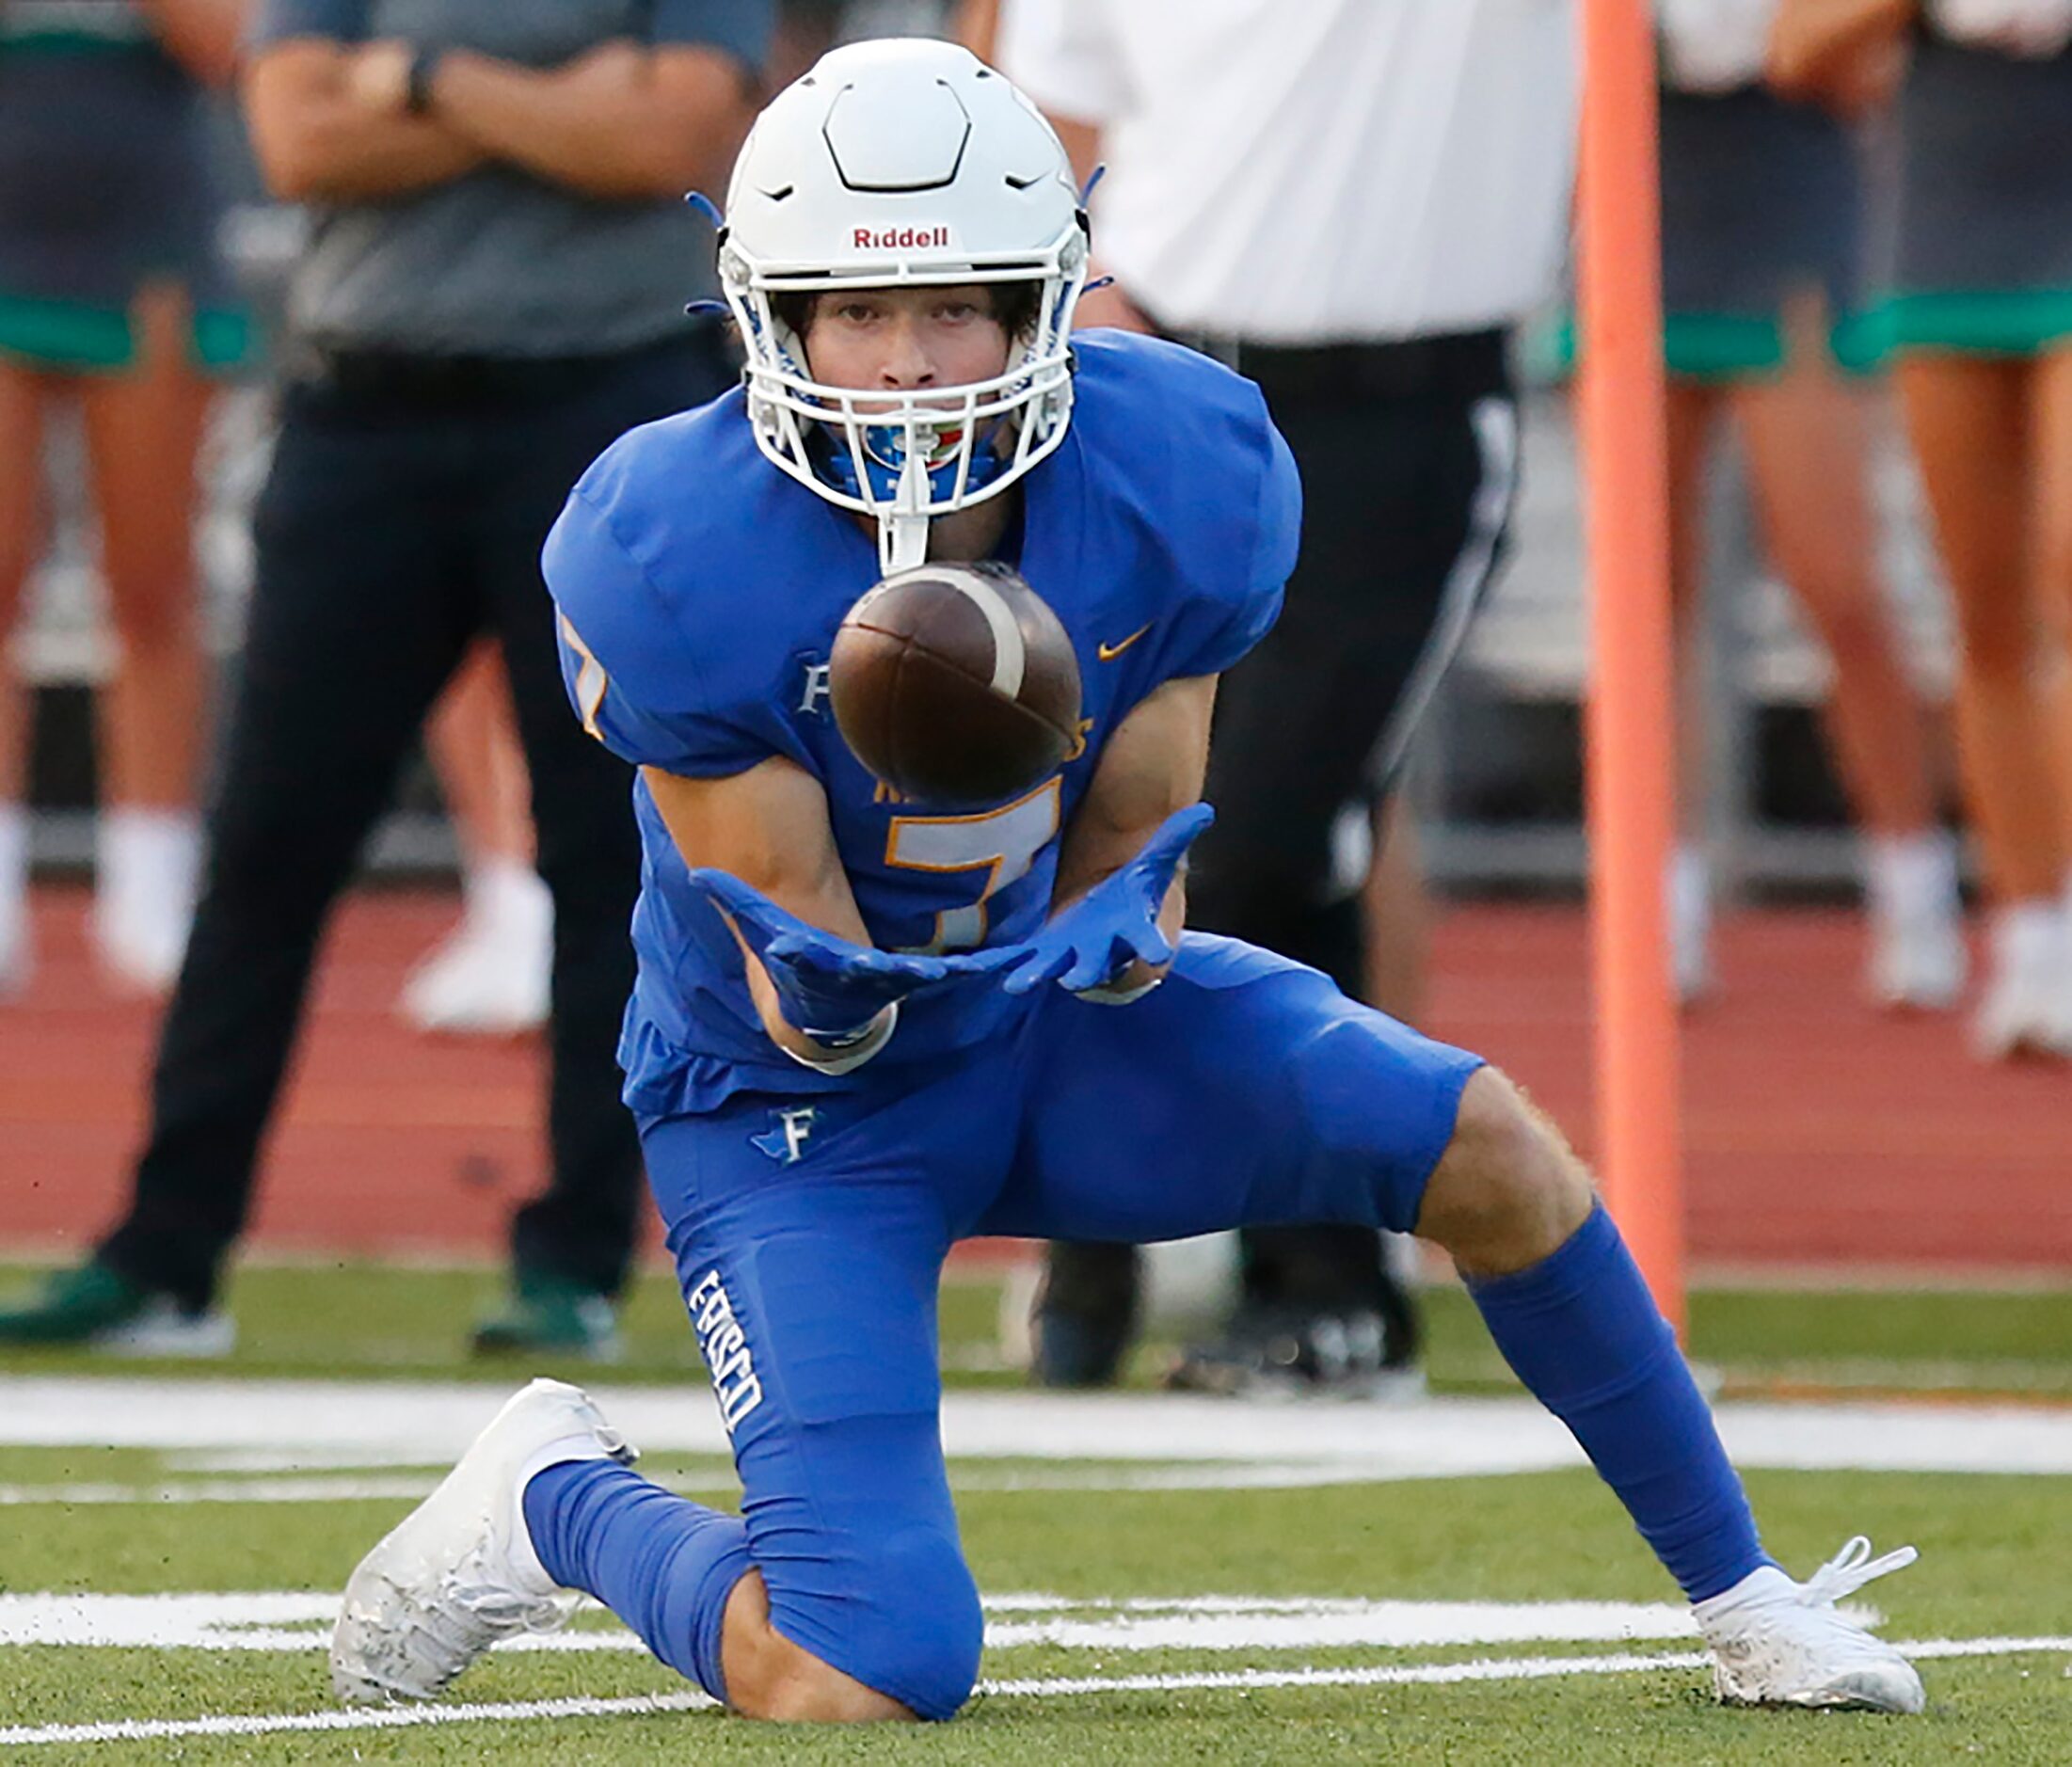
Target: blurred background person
{"points": [[493, 291], [1353, 205], [1982, 320], [491, 975], [112, 296], [1765, 236]]}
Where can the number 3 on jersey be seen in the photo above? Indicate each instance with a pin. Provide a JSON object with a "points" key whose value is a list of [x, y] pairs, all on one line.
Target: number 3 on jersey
{"points": [[1001, 843]]}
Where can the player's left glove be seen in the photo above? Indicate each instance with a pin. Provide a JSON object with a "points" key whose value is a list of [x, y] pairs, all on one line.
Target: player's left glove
{"points": [[828, 987], [1115, 923]]}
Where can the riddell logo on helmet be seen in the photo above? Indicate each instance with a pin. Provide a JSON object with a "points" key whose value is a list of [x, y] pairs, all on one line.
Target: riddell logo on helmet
{"points": [[899, 238]]}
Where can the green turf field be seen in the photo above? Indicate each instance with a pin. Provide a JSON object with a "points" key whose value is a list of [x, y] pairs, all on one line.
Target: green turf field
{"points": [[1338, 1631], [329, 1320]]}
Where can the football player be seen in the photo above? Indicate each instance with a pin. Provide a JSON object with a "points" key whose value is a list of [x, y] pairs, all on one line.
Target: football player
{"points": [[863, 1031]]}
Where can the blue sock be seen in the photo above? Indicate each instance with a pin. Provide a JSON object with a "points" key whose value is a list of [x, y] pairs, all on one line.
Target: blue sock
{"points": [[662, 1563], [1582, 1332]]}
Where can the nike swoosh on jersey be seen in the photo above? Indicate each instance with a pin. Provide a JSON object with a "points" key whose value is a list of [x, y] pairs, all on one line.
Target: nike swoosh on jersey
{"points": [[1107, 653]]}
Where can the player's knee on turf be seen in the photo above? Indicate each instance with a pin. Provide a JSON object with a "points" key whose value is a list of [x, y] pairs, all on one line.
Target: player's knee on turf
{"points": [[771, 1677], [912, 1646], [1507, 1192]]}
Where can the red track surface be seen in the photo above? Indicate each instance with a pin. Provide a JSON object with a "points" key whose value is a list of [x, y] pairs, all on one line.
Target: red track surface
{"points": [[1819, 1132]]}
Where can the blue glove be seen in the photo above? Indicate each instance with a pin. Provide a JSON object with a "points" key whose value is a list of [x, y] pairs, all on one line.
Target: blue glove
{"points": [[828, 987], [1114, 923]]}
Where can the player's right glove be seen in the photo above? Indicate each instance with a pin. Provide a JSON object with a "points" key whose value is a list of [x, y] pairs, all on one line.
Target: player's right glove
{"points": [[828, 987], [1115, 923]]}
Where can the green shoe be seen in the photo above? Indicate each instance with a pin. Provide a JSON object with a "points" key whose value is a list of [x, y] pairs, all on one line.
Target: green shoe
{"points": [[99, 1309], [551, 1315]]}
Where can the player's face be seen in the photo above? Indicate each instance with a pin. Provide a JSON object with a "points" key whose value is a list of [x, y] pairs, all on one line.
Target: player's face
{"points": [[906, 341]]}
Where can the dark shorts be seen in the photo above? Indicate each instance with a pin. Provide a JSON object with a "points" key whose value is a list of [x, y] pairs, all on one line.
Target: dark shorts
{"points": [[107, 188], [72, 338], [1763, 202], [1985, 258]]}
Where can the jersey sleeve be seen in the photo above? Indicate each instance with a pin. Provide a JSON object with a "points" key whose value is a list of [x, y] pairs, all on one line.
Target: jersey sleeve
{"points": [[1218, 630], [1066, 55], [636, 675]]}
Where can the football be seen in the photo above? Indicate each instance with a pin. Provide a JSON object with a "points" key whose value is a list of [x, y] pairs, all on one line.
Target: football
{"points": [[956, 684]]}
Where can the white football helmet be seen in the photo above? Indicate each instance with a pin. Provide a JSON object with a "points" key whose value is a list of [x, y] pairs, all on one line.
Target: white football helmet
{"points": [[903, 163]]}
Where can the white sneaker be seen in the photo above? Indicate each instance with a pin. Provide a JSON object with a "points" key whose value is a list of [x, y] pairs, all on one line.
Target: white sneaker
{"points": [[2028, 1005], [148, 866], [17, 945], [493, 977], [17, 954], [1780, 1643], [1689, 891], [1917, 925], [460, 1573]]}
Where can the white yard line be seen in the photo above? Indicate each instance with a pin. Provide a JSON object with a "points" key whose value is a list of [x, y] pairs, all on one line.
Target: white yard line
{"points": [[430, 1423], [380, 1718], [288, 1621], [262, 1490], [1428, 1675], [967, 1477]]}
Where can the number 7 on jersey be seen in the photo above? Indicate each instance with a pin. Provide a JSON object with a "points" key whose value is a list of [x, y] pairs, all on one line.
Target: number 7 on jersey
{"points": [[1001, 843]]}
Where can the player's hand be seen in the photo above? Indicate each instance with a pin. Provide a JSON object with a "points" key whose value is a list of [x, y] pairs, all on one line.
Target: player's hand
{"points": [[1115, 923], [828, 987]]}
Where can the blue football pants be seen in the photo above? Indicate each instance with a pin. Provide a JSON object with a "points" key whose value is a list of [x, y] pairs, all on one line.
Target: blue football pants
{"points": [[809, 1234]]}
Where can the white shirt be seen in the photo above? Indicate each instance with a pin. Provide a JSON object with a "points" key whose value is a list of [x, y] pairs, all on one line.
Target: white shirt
{"points": [[1306, 171]]}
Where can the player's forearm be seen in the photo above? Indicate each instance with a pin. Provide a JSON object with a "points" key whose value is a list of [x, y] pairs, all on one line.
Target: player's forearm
{"points": [[1157, 763], [768, 827], [319, 138], [612, 124], [202, 35]]}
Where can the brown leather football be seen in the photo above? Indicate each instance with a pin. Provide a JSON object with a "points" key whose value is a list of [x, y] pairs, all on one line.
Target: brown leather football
{"points": [[956, 684]]}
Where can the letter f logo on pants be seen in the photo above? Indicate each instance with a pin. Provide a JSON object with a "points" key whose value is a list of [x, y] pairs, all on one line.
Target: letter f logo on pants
{"points": [[790, 1131]]}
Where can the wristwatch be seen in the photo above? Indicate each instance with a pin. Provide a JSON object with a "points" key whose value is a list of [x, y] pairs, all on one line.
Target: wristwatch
{"points": [[417, 87]]}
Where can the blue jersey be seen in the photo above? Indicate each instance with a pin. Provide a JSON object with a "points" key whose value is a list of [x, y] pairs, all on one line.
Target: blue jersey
{"points": [[699, 591]]}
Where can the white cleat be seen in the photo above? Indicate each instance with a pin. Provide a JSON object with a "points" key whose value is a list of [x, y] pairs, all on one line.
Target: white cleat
{"points": [[2028, 1005], [1918, 959], [458, 1573], [1780, 1643]]}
